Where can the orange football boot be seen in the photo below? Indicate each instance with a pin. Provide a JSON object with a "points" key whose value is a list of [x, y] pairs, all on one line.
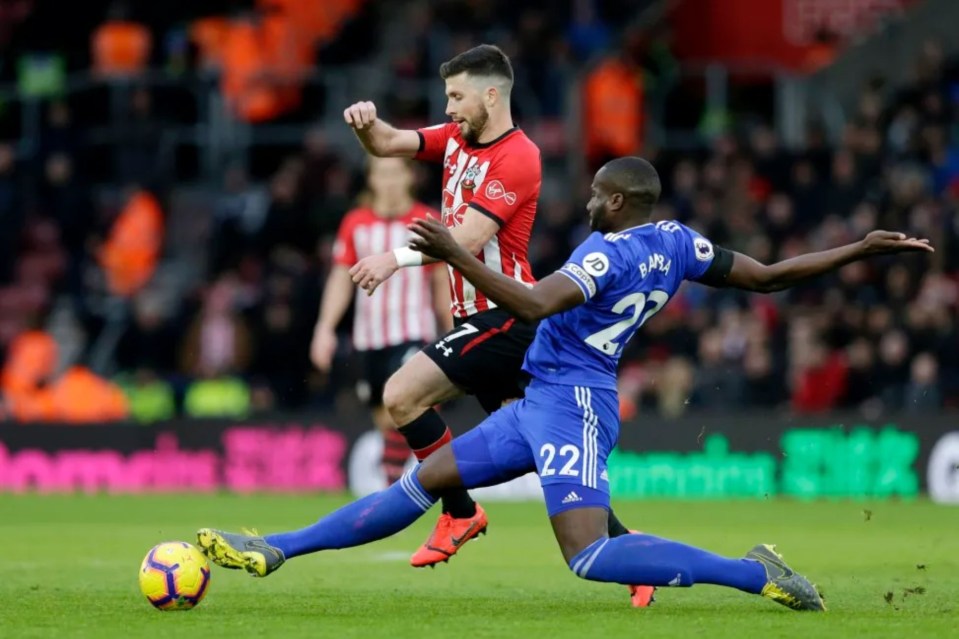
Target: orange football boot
{"points": [[448, 537], [641, 596]]}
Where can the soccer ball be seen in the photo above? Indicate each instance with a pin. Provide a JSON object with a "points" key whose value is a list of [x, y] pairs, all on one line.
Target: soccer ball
{"points": [[174, 576]]}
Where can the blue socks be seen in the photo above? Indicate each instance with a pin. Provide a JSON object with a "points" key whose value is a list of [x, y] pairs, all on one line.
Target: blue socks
{"points": [[368, 519], [653, 561], [629, 559]]}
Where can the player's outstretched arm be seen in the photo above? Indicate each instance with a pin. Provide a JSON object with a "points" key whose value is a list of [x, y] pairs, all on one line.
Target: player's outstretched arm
{"points": [[551, 295], [377, 137], [371, 271], [750, 275]]}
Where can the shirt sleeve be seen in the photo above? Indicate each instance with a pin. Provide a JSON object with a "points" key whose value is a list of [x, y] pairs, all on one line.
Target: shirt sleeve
{"points": [[433, 141], [698, 252], [510, 183], [591, 266], [344, 249]]}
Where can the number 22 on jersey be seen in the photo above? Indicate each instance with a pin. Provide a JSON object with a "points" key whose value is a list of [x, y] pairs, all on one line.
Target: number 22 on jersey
{"points": [[638, 307]]}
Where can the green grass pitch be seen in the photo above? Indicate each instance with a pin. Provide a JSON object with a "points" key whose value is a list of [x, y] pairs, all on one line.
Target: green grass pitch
{"points": [[69, 569]]}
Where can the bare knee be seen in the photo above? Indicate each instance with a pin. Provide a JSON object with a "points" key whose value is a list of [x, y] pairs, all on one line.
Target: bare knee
{"points": [[400, 401], [415, 388]]}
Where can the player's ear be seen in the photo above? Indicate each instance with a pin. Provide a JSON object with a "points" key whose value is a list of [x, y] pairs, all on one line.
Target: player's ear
{"points": [[615, 201], [492, 96]]}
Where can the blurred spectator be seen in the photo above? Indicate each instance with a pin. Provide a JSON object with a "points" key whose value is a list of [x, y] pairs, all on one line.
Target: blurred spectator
{"points": [[613, 110], [717, 383], [772, 162], [221, 397], [66, 199], [893, 368], [819, 376], [150, 399], [121, 47], [286, 221], [130, 253], [845, 190], [11, 212], [218, 341], [138, 142], [588, 33], [149, 342], [279, 329], [32, 390], [238, 216], [923, 394], [80, 396], [861, 380], [764, 388], [59, 136], [675, 384]]}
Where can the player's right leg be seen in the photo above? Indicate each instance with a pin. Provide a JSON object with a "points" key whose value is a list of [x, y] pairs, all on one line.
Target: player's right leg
{"points": [[377, 367], [467, 461], [574, 429]]}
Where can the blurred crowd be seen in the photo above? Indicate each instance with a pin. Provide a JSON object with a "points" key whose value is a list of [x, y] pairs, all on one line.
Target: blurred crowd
{"points": [[879, 336]]}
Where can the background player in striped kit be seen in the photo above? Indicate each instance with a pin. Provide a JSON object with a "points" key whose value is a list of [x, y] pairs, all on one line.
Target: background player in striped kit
{"points": [[394, 323]]}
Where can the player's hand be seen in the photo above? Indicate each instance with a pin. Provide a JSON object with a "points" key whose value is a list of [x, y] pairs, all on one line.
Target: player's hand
{"points": [[879, 242], [372, 271], [360, 115], [322, 348], [434, 239]]}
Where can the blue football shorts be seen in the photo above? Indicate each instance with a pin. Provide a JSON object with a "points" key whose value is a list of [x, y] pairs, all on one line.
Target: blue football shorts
{"points": [[564, 433]]}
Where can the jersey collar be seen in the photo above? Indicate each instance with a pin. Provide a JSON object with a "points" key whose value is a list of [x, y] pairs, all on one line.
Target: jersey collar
{"points": [[633, 228], [485, 145]]}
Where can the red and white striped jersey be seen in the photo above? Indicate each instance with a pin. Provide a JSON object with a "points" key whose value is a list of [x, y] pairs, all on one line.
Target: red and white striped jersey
{"points": [[401, 310], [500, 179]]}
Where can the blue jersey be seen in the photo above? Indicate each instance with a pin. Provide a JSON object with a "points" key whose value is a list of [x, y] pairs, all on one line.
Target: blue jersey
{"points": [[626, 278]]}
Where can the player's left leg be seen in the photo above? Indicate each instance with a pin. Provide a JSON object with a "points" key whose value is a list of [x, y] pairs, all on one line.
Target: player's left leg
{"points": [[662, 562], [378, 368], [467, 462]]}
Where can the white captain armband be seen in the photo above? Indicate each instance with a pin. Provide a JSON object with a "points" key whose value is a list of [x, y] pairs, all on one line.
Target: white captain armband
{"points": [[583, 279], [405, 256]]}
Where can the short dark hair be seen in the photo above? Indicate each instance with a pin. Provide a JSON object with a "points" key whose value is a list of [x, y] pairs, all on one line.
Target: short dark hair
{"points": [[635, 178], [484, 60]]}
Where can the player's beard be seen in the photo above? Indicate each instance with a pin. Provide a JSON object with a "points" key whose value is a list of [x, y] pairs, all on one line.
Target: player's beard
{"points": [[475, 127], [597, 218]]}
